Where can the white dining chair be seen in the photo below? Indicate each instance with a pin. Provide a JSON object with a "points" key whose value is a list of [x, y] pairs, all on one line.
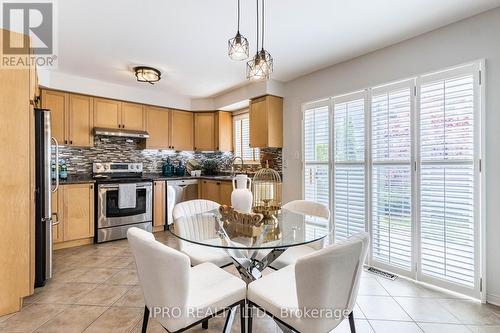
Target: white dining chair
{"points": [[190, 223], [317, 293], [180, 296], [305, 207]]}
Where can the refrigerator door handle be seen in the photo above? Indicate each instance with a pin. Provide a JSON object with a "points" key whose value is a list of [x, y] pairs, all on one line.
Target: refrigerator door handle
{"points": [[56, 187]]}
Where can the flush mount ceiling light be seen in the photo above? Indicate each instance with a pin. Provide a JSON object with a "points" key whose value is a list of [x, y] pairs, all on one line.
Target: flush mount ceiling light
{"points": [[147, 74], [238, 46], [261, 65]]}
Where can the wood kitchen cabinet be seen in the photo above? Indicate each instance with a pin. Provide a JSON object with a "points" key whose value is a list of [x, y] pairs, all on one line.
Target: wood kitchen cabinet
{"points": [[218, 191], [17, 190], [182, 130], [226, 189], [159, 205], [204, 128], [223, 131], [57, 228], [133, 116], [158, 120], [213, 131], [266, 122], [77, 211], [73, 207], [71, 117], [107, 113], [80, 122], [57, 102]]}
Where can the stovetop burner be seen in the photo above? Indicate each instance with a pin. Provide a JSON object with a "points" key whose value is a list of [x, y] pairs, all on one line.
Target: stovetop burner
{"points": [[118, 172]]}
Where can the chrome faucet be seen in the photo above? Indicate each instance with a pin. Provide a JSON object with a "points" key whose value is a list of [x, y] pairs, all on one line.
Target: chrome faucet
{"points": [[232, 164]]}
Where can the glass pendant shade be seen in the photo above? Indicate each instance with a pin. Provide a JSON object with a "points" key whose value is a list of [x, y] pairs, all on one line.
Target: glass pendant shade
{"points": [[260, 66], [238, 47], [147, 74]]}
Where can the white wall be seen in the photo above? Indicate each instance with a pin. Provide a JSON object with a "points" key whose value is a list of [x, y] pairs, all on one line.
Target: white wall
{"points": [[471, 39]]}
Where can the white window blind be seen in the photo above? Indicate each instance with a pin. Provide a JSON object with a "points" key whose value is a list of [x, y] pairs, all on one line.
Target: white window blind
{"points": [[241, 135], [349, 174], [391, 175], [447, 178], [316, 152]]}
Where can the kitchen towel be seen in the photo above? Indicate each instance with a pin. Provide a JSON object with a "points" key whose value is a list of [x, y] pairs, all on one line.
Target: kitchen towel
{"points": [[126, 196]]}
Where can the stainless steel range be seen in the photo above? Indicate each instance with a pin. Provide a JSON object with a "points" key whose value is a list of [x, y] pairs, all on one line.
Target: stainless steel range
{"points": [[124, 199]]}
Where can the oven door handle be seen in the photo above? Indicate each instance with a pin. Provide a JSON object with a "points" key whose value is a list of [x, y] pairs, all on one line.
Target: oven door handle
{"points": [[115, 186]]}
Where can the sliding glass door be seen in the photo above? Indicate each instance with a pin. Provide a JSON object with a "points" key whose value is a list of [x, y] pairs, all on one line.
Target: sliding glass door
{"points": [[404, 166]]}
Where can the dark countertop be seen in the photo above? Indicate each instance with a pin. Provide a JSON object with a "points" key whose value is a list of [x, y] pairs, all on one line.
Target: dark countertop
{"points": [[87, 179], [76, 179]]}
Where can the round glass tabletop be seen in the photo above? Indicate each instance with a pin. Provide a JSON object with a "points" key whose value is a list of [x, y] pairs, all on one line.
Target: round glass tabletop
{"points": [[285, 230]]}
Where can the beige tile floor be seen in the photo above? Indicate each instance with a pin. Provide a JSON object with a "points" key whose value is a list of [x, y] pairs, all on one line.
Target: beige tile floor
{"points": [[95, 289]]}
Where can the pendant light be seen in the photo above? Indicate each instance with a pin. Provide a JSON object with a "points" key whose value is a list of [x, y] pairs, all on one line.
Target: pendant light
{"points": [[261, 65], [238, 46]]}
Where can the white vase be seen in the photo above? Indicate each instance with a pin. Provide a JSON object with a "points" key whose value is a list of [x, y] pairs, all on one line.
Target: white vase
{"points": [[241, 198]]}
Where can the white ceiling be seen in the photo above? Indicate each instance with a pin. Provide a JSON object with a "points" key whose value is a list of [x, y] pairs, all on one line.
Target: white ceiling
{"points": [[187, 39]]}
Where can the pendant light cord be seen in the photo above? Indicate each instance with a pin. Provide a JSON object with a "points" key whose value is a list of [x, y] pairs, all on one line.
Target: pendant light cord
{"points": [[238, 16], [263, 24], [257, 26]]}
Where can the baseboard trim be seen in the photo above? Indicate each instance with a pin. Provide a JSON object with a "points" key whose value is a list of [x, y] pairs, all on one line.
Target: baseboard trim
{"points": [[493, 299]]}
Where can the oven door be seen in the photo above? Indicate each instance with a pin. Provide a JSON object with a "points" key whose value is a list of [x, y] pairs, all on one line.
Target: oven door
{"points": [[110, 215]]}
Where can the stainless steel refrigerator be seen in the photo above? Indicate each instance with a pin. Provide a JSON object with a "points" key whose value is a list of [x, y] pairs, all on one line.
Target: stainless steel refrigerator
{"points": [[43, 193]]}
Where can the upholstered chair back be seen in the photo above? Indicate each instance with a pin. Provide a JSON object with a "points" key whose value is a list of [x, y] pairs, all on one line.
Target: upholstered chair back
{"points": [[157, 264], [328, 280], [190, 224]]}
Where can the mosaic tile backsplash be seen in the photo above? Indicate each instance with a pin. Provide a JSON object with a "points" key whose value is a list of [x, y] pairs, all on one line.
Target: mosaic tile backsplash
{"points": [[116, 149]]}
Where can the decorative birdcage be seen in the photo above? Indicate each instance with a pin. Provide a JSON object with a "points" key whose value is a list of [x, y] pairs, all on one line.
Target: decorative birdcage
{"points": [[266, 189]]}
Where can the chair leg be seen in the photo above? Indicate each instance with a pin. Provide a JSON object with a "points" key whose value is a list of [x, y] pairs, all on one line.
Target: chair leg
{"points": [[204, 324], [229, 321], [145, 320], [249, 309], [243, 309], [351, 322]]}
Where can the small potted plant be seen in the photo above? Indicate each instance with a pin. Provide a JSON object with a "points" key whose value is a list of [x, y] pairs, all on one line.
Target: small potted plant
{"points": [[210, 167]]}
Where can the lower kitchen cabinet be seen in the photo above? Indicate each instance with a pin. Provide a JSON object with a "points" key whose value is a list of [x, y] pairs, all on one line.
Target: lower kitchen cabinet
{"points": [[218, 191], [159, 205], [73, 207]]}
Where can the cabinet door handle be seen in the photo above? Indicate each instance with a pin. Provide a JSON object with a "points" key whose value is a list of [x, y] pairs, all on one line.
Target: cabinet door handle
{"points": [[70, 142], [194, 148], [91, 186], [66, 142], [123, 126]]}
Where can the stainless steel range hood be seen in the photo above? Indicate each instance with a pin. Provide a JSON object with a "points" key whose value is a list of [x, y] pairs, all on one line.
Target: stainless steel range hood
{"points": [[121, 132]]}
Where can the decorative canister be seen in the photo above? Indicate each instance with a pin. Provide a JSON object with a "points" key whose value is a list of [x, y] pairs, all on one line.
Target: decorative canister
{"points": [[241, 198]]}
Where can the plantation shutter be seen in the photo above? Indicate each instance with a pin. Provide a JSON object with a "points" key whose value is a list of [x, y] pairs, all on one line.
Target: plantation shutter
{"points": [[391, 175], [447, 177], [349, 171], [316, 154], [241, 133]]}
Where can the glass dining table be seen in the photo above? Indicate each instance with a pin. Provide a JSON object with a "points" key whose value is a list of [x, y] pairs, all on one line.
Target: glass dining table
{"points": [[252, 248]]}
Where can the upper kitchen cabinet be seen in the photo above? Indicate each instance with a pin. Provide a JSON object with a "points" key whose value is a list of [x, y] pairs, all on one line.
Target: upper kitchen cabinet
{"points": [[182, 131], [266, 122], [157, 126], [107, 113], [133, 116], [80, 121], [71, 117], [213, 131], [204, 129], [223, 131], [57, 102]]}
